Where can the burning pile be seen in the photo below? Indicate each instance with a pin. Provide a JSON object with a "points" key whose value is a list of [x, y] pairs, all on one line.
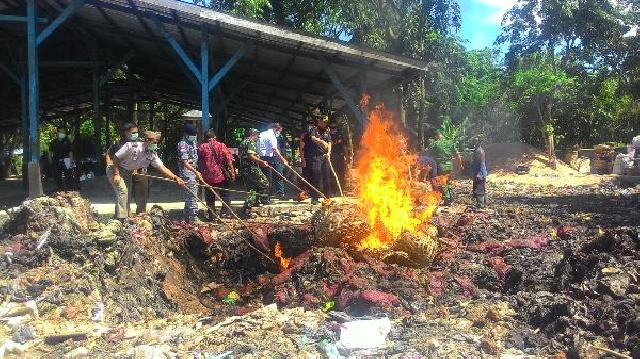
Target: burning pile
{"points": [[392, 216], [385, 187]]}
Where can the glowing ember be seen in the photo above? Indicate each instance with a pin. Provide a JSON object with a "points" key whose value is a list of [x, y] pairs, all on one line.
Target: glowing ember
{"points": [[284, 261], [384, 183]]}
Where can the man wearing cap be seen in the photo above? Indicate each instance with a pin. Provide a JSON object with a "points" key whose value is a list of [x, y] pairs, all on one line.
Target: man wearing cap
{"points": [[140, 184], [317, 148], [254, 179], [268, 151], [130, 159], [187, 168]]}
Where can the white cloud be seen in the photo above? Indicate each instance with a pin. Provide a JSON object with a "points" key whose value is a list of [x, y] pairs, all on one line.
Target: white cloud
{"points": [[497, 9]]}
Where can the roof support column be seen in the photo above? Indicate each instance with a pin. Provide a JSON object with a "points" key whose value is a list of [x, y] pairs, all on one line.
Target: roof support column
{"points": [[33, 168], [204, 79], [97, 119], [202, 74], [335, 80], [24, 119], [32, 87]]}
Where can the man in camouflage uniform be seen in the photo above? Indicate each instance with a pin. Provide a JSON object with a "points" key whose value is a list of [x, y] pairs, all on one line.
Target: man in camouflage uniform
{"points": [[188, 157], [250, 164]]}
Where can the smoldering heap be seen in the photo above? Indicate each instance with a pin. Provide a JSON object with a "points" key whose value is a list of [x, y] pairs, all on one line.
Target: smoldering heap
{"points": [[317, 265]]}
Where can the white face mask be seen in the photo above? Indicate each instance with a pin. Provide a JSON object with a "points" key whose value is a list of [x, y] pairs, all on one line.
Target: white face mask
{"points": [[62, 136]]}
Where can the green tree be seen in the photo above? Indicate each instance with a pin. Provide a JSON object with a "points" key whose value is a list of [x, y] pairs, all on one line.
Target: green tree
{"points": [[539, 84]]}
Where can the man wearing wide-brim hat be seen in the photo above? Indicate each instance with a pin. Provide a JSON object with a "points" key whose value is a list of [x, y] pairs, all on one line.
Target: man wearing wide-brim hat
{"points": [[130, 159]]}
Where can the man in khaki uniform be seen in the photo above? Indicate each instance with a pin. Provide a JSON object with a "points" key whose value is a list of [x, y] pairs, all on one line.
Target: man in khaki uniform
{"points": [[130, 159]]}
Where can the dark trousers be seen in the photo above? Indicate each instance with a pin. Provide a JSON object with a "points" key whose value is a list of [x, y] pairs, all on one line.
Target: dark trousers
{"points": [[479, 186], [276, 183], [140, 192], [479, 191], [60, 171], [320, 175], [210, 198]]}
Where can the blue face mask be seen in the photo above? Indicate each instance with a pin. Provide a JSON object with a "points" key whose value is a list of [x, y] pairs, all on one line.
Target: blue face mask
{"points": [[152, 147], [192, 138], [133, 136], [62, 136]]}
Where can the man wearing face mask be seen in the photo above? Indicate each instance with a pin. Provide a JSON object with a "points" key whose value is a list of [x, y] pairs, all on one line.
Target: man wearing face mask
{"points": [[140, 184], [60, 160], [187, 167], [131, 158], [269, 151]]}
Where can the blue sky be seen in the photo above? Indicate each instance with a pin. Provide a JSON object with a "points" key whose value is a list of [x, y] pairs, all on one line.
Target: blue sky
{"points": [[481, 21]]}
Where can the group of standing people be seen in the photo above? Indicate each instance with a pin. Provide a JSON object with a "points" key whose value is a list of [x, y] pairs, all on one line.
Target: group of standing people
{"points": [[265, 160], [209, 163]]}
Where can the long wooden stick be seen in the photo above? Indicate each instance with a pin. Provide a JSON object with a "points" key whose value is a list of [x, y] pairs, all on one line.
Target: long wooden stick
{"points": [[214, 187], [216, 215], [335, 175], [285, 178], [220, 219], [612, 352], [302, 179]]}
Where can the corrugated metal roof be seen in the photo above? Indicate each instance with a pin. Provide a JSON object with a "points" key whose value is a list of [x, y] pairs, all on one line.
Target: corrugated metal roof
{"points": [[281, 75]]}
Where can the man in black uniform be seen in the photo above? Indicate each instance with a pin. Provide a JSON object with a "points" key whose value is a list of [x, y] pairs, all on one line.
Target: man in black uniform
{"points": [[61, 159], [317, 146], [140, 183]]}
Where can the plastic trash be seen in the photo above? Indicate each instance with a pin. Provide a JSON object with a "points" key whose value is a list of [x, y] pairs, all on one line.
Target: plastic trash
{"points": [[97, 312], [364, 334], [329, 349], [43, 239]]}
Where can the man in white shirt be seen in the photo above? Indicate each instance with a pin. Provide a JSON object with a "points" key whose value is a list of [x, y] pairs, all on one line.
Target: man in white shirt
{"points": [[132, 158], [268, 151]]}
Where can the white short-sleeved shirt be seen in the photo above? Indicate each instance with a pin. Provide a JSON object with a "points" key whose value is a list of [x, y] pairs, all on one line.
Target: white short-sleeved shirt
{"points": [[267, 143], [134, 156]]}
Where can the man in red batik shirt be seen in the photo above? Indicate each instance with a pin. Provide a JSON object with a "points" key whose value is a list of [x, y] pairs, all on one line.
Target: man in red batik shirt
{"points": [[216, 166]]}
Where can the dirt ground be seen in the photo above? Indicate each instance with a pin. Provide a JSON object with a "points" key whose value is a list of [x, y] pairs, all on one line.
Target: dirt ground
{"points": [[545, 271], [503, 160]]}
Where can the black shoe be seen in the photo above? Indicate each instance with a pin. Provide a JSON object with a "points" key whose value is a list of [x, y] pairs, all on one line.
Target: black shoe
{"points": [[268, 202], [315, 201]]}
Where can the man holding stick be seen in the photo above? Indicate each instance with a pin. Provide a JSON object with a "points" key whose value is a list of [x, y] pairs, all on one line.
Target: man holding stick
{"points": [[317, 147], [129, 160], [269, 152], [255, 180], [187, 167], [216, 164]]}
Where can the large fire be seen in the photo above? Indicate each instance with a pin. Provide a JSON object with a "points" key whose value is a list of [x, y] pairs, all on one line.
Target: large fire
{"points": [[384, 183]]}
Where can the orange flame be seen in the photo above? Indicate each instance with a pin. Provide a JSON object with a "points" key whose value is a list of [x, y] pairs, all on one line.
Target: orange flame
{"points": [[384, 182], [284, 261]]}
